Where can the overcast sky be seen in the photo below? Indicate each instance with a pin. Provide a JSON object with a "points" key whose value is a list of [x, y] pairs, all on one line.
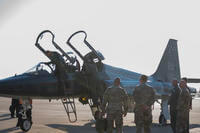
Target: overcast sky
{"points": [[131, 34]]}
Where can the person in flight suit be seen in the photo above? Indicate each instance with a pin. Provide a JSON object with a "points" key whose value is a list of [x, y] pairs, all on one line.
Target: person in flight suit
{"points": [[60, 69], [115, 105], [173, 104], [14, 107], [183, 108], [144, 97]]}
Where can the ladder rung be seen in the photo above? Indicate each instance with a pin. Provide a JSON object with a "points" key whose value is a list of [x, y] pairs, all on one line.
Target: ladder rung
{"points": [[70, 108], [67, 102], [71, 112]]}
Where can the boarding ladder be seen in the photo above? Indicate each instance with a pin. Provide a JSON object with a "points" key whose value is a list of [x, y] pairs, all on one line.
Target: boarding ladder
{"points": [[70, 108]]}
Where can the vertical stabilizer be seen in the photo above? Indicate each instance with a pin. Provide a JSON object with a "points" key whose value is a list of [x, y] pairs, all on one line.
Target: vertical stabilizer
{"points": [[169, 67]]}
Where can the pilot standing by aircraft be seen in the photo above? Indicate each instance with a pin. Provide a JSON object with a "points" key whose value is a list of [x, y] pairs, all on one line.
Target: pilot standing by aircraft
{"points": [[173, 104], [115, 98], [185, 79], [14, 107], [144, 97], [183, 107], [60, 70]]}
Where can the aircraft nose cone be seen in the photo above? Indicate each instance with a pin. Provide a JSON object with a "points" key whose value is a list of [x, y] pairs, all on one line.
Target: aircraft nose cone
{"points": [[7, 87], [3, 87]]}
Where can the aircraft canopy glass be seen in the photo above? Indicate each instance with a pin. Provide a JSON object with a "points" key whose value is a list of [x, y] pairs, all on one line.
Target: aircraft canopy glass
{"points": [[41, 68]]}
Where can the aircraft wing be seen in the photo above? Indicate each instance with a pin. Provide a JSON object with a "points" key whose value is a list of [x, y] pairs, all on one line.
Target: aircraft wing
{"points": [[123, 74]]}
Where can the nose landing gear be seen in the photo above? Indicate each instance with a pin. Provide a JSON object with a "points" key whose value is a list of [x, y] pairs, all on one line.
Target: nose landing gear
{"points": [[25, 123]]}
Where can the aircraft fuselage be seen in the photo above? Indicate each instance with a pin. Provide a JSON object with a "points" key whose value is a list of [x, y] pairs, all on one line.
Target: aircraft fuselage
{"points": [[38, 86]]}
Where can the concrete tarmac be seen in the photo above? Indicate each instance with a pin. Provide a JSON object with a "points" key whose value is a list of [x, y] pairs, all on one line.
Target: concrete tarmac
{"points": [[50, 117]]}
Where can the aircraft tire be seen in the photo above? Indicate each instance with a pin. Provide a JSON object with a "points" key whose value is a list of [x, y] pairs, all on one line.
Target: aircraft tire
{"points": [[25, 125]]}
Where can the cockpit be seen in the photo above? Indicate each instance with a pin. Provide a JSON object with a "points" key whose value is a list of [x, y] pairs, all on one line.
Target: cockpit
{"points": [[41, 68], [69, 60]]}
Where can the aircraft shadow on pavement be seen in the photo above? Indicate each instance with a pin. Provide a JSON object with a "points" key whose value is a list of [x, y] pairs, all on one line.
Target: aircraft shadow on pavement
{"points": [[8, 130], [72, 128], [5, 117], [86, 128], [89, 128], [194, 126], [83, 129]]}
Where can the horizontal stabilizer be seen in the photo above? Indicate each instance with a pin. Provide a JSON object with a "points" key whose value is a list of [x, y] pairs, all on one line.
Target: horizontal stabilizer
{"points": [[191, 80]]}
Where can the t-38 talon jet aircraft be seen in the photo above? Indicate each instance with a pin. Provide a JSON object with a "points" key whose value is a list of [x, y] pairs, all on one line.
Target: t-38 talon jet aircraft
{"points": [[64, 78]]}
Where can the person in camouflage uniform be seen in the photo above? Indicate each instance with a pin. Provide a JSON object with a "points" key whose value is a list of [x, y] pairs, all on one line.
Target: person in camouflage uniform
{"points": [[116, 98], [183, 108], [186, 80], [173, 104], [144, 97]]}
